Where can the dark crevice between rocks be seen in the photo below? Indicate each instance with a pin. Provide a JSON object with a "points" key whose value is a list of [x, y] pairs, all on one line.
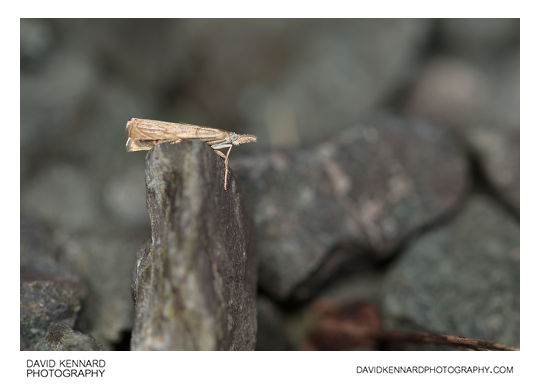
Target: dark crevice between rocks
{"points": [[344, 259], [384, 263], [396, 101], [123, 342], [83, 322], [483, 185]]}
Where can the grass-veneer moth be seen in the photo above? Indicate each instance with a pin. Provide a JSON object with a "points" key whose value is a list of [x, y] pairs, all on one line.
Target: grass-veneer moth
{"points": [[143, 134]]}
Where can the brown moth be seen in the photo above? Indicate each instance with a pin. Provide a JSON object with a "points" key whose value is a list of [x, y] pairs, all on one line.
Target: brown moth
{"points": [[143, 134]]}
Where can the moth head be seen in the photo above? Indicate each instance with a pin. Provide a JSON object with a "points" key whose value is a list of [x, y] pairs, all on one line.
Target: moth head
{"points": [[238, 139]]}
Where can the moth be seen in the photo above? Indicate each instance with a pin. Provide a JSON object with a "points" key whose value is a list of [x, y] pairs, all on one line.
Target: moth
{"points": [[144, 134]]}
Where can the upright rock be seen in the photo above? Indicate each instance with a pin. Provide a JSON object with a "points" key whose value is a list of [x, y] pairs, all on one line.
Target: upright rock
{"points": [[195, 283]]}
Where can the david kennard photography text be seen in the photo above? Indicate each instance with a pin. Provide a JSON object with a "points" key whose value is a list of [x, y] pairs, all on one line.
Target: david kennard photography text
{"points": [[65, 368]]}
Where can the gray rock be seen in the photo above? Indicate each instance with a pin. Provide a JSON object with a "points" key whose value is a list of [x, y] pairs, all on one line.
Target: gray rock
{"points": [[61, 337], [371, 186], [478, 38], [101, 261], [125, 198], [44, 301], [271, 333], [461, 279], [52, 99], [105, 262], [195, 284], [41, 247], [36, 41], [303, 80], [62, 196], [100, 139], [343, 71], [461, 93], [481, 103], [498, 153], [148, 54], [50, 291]]}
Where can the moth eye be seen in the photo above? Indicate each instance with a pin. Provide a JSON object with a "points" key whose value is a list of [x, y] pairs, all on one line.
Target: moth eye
{"points": [[234, 137]]}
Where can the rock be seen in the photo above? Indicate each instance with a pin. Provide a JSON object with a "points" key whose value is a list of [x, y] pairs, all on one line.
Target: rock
{"points": [[37, 40], [478, 38], [105, 262], [355, 286], [44, 301], [102, 261], [61, 337], [460, 93], [369, 188], [50, 291], [482, 104], [62, 196], [271, 332], [126, 50], [449, 91], [303, 80], [124, 196], [52, 101], [100, 139], [41, 247], [343, 71], [195, 284], [497, 151], [461, 279]]}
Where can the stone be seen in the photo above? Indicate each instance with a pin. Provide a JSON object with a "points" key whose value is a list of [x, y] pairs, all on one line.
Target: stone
{"points": [[478, 38], [51, 102], [64, 197], [41, 247], [105, 262], [481, 103], [342, 72], [461, 279], [124, 196], [497, 152], [46, 300], [37, 40], [102, 262], [366, 189], [194, 284], [461, 93], [271, 331], [50, 291], [148, 53], [61, 337]]}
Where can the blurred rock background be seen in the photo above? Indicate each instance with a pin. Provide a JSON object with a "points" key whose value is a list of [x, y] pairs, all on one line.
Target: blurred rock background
{"points": [[430, 188]]}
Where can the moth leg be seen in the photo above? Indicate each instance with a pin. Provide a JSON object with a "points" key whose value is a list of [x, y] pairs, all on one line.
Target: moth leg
{"points": [[227, 167], [221, 145], [138, 145], [221, 154]]}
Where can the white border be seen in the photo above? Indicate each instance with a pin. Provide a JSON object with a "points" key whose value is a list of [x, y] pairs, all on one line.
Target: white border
{"points": [[268, 366]]}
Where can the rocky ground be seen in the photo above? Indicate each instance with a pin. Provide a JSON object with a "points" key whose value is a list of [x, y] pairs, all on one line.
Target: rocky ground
{"points": [[383, 189]]}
